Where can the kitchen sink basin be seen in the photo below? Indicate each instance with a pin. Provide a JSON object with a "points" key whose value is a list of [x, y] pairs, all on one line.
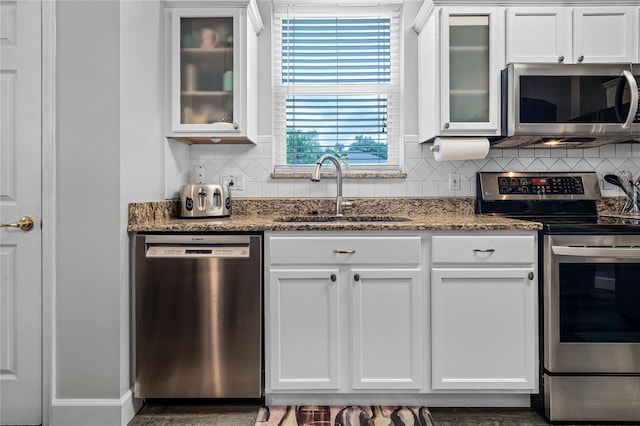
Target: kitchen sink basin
{"points": [[329, 218]]}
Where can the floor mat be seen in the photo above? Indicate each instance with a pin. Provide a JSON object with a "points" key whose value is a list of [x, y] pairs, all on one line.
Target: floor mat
{"points": [[306, 415]]}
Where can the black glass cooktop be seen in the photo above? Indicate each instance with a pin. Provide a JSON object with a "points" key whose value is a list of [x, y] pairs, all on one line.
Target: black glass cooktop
{"points": [[586, 225]]}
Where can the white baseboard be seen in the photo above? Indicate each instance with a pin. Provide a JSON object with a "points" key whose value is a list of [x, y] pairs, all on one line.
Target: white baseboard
{"points": [[95, 412]]}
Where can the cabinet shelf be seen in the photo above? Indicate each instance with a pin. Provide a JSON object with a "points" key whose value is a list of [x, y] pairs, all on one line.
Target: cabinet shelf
{"points": [[471, 92], [199, 51], [469, 48], [207, 93], [222, 140]]}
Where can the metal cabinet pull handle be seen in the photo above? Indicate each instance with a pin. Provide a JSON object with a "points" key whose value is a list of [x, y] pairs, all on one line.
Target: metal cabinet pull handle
{"points": [[235, 126], [580, 58], [446, 125], [561, 58], [25, 223], [333, 278], [344, 251], [531, 275], [484, 250], [356, 277]]}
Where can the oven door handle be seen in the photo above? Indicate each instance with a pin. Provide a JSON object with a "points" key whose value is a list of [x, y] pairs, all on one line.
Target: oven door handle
{"points": [[626, 252]]}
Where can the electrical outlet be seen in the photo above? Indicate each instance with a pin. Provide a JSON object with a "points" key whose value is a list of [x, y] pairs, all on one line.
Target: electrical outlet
{"points": [[200, 174], [235, 181], [454, 181], [238, 182]]}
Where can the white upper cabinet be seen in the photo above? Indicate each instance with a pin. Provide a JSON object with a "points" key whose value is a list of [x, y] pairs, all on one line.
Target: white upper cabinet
{"points": [[460, 54], [572, 34], [211, 65], [538, 34]]}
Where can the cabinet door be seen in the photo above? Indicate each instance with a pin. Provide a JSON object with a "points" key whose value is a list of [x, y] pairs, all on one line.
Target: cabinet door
{"points": [[605, 34], [484, 329], [204, 57], [539, 34], [470, 71], [386, 328], [303, 334]]}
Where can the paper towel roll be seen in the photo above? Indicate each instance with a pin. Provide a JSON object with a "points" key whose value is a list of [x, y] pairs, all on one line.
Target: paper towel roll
{"points": [[448, 149]]}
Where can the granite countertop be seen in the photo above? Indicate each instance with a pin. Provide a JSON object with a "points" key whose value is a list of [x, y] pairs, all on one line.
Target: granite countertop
{"points": [[263, 214]]}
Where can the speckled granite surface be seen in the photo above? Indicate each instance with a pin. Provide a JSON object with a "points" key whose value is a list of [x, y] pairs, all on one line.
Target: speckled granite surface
{"points": [[263, 214]]}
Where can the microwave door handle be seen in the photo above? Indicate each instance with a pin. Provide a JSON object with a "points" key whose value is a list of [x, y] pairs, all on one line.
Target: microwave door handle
{"points": [[633, 105], [620, 252]]}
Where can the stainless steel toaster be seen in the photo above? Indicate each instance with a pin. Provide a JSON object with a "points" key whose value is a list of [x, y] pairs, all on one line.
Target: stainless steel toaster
{"points": [[202, 200]]}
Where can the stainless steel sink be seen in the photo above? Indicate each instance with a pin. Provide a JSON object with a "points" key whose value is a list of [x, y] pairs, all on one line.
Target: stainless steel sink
{"points": [[331, 218]]}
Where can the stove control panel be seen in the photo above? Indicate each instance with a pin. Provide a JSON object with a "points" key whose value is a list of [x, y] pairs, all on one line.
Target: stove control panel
{"points": [[537, 186], [568, 185]]}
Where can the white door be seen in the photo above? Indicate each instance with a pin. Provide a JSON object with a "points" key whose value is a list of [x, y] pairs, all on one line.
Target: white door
{"points": [[20, 195]]}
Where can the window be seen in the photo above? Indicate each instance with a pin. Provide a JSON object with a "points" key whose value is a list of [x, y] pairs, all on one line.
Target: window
{"points": [[337, 85]]}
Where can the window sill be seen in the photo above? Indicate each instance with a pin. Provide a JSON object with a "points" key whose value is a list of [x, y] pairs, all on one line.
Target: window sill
{"points": [[345, 175]]}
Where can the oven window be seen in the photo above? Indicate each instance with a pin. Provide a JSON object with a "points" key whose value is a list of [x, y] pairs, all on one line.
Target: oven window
{"points": [[599, 302]]}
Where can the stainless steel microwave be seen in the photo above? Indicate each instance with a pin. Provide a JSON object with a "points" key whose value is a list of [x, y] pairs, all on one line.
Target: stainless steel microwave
{"points": [[577, 105]]}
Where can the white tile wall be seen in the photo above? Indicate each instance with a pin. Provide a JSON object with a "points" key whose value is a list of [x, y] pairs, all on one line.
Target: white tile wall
{"points": [[425, 176]]}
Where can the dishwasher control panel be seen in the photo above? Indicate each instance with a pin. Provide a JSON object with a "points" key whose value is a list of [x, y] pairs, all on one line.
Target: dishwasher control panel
{"points": [[226, 251]]}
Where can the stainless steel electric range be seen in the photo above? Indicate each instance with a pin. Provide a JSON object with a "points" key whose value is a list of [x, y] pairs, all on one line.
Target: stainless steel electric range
{"points": [[589, 293]]}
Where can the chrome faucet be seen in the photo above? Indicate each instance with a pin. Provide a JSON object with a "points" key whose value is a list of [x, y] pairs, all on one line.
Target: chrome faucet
{"points": [[315, 177]]}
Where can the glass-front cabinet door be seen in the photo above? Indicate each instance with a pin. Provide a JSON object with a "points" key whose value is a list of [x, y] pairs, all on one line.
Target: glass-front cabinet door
{"points": [[470, 71], [209, 72], [206, 71]]}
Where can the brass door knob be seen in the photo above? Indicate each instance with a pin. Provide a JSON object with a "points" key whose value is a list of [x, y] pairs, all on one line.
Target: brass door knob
{"points": [[25, 223]]}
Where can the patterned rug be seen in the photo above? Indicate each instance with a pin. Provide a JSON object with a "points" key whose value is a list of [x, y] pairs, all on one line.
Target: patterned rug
{"points": [[306, 415]]}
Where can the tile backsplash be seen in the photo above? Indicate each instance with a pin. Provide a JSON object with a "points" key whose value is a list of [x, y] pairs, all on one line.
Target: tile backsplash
{"points": [[425, 176]]}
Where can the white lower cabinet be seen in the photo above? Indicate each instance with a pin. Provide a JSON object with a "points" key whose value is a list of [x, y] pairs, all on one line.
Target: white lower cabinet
{"points": [[484, 313], [305, 343], [385, 328], [357, 313], [346, 318]]}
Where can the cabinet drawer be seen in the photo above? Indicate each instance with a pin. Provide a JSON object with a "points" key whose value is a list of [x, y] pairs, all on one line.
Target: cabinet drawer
{"points": [[340, 250], [483, 249]]}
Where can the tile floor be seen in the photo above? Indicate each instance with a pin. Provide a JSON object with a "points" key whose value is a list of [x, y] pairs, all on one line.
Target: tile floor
{"points": [[161, 414]]}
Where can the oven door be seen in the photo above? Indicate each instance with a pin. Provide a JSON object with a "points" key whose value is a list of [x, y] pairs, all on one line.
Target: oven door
{"points": [[591, 304]]}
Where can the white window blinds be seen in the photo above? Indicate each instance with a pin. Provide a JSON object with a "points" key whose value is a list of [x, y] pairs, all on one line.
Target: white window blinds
{"points": [[337, 89]]}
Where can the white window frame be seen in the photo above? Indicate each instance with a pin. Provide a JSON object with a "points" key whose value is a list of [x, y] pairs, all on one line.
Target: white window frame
{"points": [[394, 91]]}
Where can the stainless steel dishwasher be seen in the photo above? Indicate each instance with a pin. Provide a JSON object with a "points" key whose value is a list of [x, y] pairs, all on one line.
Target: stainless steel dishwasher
{"points": [[198, 316]]}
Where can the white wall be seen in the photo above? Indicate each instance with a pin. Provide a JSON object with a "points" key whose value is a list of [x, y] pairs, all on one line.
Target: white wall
{"points": [[141, 148], [425, 176], [110, 152], [87, 301]]}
